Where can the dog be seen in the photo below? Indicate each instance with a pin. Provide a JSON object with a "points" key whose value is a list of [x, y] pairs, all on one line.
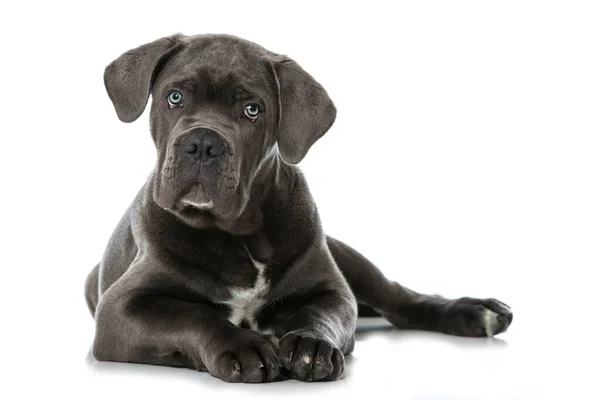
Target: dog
{"points": [[220, 264]]}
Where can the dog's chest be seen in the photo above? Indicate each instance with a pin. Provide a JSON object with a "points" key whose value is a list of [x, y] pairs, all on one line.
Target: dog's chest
{"points": [[245, 303]]}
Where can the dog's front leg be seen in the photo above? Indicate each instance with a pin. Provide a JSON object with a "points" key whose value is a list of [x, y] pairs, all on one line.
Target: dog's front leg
{"points": [[134, 324], [318, 335]]}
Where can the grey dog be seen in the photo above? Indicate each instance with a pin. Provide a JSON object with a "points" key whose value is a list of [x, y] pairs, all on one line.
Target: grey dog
{"points": [[220, 264]]}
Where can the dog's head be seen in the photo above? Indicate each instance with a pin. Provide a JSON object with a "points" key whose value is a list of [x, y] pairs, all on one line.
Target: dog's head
{"points": [[222, 109]]}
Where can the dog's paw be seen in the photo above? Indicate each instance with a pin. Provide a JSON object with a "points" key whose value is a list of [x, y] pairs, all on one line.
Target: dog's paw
{"points": [[308, 358], [476, 317], [249, 358]]}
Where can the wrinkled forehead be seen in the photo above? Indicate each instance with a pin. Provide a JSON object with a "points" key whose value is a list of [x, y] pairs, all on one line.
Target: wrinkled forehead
{"points": [[211, 66]]}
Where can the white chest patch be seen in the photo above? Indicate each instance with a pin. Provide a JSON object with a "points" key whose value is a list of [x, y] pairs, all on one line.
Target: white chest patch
{"points": [[245, 303]]}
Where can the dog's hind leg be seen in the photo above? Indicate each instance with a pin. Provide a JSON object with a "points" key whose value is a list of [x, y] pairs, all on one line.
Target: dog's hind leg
{"points": [[406, 308], [91, 289]]}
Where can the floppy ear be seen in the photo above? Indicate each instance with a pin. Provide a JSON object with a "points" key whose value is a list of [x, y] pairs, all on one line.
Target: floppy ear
{"points": [[305, 110], [128, 79]]}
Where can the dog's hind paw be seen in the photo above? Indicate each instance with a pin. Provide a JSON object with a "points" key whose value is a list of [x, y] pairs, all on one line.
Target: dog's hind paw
{"points": [[476, 317]]}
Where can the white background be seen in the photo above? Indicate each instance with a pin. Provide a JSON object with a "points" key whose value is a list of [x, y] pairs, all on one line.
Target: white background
{"points": [[464, 161]]}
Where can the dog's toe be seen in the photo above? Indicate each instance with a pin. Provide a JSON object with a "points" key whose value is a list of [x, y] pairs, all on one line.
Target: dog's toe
{"points": [[494, 323], [497, 317]]}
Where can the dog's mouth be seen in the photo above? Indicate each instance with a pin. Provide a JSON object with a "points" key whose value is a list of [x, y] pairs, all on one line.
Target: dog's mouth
{"points": [[196, 198]]}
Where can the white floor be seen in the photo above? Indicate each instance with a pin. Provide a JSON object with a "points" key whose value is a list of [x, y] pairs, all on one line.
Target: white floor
{"points": [[387, 363]]}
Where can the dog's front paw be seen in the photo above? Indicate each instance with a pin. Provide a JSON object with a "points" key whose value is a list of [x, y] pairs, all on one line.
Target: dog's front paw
{"points": [[248, 357], [308, 358], [476, 317]]}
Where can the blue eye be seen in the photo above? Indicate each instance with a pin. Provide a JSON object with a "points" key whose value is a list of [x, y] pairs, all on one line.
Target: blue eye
{"points": [[175, 99], [252, 111]]}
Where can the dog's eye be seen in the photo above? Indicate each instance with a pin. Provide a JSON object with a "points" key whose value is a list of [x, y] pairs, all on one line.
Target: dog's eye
{"points": [[175, 99], [252, 111]]}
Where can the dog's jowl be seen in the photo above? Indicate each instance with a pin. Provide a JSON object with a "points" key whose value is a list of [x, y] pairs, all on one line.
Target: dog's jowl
{"points": [[220, 263]]}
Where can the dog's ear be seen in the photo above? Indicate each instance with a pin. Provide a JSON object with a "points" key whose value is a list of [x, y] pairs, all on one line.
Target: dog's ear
{"points": [[128, 79], [305, 110]]}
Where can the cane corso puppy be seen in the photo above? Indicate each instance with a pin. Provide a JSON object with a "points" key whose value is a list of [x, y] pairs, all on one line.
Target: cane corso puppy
{"points": [[220, 264]]}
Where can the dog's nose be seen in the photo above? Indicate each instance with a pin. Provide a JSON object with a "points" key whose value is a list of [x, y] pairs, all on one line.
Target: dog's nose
{"points": [[203, 143]]}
